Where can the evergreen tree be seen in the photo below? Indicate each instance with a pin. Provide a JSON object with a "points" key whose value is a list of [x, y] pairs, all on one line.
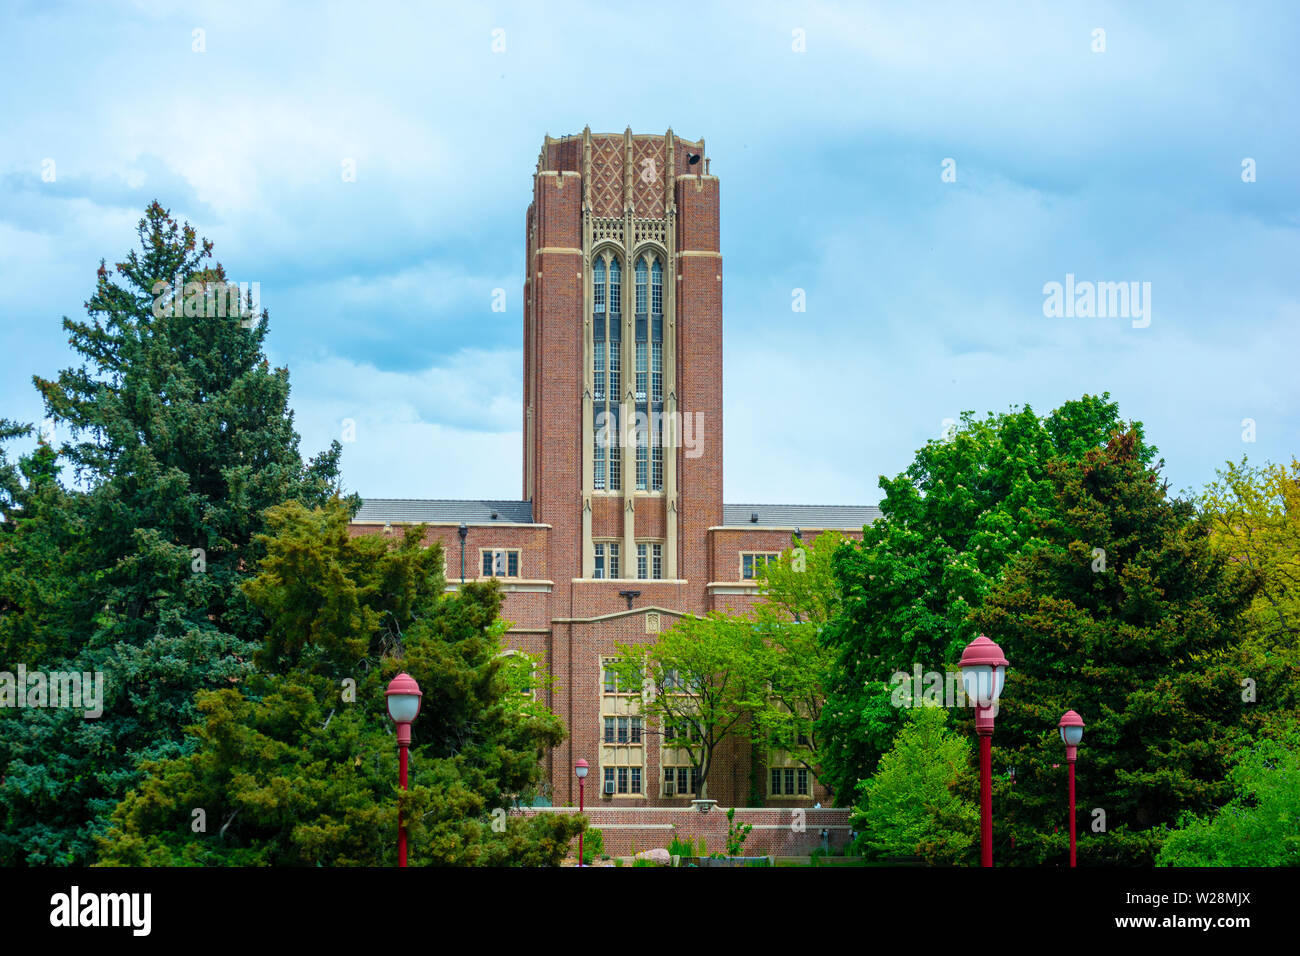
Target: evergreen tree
{"points": [[1124, 612], [301, 768], [181, 438]]}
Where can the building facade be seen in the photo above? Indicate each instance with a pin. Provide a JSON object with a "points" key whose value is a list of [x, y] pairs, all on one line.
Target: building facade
{"points": [[621, 526]]}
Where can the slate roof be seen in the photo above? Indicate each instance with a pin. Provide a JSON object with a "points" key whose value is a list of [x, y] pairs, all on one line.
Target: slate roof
{"points": [[819, 517], [444, 511], [452, 511]]}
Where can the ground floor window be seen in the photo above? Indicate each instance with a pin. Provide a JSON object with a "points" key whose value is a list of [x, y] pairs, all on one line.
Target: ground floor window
{"points": [[680, 781], [622, 780], [789, 782]]}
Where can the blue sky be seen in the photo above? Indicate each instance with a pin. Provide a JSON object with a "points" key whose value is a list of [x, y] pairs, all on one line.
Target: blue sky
{"points": [[924, 297]]}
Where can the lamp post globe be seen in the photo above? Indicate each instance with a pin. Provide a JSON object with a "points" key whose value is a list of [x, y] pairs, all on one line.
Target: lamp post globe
{"points": [[403, 697], [1071, 727], [983, 673], [580, 770]]}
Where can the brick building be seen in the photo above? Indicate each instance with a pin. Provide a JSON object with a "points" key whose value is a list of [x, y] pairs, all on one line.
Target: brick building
{"points": [[621, 527]]}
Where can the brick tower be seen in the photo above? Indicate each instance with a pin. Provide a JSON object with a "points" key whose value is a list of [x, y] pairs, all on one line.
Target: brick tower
{"points": [[622, 354], [621, 528]]}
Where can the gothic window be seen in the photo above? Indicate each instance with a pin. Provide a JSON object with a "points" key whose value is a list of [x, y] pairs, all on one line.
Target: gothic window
{"points": [[607, 343], [615, 289], [598, 331], [657, 454], [601, 430]]}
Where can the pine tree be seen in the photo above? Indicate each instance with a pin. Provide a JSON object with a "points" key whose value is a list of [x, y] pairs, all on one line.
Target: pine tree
{"points": [[301, 767], [181, 438], [1127, 614]]}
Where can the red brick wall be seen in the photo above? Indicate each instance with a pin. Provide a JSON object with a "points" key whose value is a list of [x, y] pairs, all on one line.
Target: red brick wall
{"points": [[777, 832], [699, 377]]}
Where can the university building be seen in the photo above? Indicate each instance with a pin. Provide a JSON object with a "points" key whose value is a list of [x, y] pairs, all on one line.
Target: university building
{"points": [[621, 527]]}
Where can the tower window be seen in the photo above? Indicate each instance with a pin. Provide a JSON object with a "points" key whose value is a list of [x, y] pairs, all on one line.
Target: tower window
{"points": [[640, 371], [615, 356], [657, 456], [614, 445], [600, 443], [615, 289], [606, 373], [641, 462]]}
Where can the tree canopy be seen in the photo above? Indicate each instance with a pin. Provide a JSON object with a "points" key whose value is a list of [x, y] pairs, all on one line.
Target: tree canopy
{"points": [[301, 766], [951, 522]]}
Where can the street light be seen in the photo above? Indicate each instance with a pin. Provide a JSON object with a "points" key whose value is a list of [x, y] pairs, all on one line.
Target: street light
{"points": [[983, 672], [403, 707], [580, 768], [1071, 726]]}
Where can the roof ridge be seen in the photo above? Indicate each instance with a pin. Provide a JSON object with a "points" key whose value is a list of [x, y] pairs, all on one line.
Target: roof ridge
{"points": [[774, 504], [499, 501]]}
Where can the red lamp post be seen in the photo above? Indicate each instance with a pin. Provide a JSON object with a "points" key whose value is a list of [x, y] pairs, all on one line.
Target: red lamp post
{"points": [[983, 672], [403, 707], [1071, 726], [580, 768]]}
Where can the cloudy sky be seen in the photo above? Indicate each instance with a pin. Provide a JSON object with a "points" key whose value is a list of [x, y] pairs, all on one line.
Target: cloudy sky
{"points": [[924, 297]]}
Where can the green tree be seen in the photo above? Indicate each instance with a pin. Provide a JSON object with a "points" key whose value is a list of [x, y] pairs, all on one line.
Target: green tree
{"points": [[966, 506], [1257, 827], [1254, 514], [915, 805], [301, 767], [180, 438], [706, 679], [41, 539], [798, 595], [1124, 612]]}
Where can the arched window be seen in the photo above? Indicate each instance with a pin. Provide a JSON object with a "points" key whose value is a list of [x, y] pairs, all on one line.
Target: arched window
{"points": [[642, 376], [607, 340], [598, 331], [641, 276], [615, 288], [656, 376]]}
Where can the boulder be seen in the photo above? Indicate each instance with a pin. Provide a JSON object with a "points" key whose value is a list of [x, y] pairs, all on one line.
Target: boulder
{"points": [[661, 857]]}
